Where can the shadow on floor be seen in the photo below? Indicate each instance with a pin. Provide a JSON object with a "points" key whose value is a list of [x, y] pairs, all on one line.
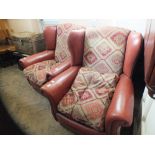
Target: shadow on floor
{"points": [[7, 125]]}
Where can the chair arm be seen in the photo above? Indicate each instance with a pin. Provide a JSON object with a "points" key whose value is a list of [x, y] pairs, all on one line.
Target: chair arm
{"points": [[120, 111], [58, 69], [59, 85], [38, 57]]}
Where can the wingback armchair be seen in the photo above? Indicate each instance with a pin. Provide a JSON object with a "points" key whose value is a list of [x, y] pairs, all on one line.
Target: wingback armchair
{"points": [[41, 67], [95, 95]]}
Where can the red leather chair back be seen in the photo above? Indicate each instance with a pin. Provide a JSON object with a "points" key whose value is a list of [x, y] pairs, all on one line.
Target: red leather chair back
{"points": [[76, 46], [133, 47], [50, 37]]}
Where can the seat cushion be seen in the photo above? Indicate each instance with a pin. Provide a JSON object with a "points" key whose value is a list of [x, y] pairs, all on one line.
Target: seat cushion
{"points": [[89, 97], [105, 49], [36, 73], [63, 30]]}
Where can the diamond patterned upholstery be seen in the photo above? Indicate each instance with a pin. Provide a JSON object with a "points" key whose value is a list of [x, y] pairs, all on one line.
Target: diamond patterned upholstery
{"points": [[37, 73], [104, 49], [88, 99], [90, 95], [63, 30]]}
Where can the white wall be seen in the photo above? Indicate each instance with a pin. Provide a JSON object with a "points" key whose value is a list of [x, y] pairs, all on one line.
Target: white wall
{"points": [[137, 25], [85, 22], [34, 25], [148, 114], [25, 25]]}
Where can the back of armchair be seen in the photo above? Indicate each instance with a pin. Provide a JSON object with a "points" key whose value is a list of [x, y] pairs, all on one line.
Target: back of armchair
{"points": [[50, 37], [63, 30], [105, 49]]}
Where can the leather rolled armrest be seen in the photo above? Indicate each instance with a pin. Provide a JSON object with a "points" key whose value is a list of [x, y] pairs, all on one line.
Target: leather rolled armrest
{"points": [[38, 57], [59, 69], [120, 111], [56, 88]]}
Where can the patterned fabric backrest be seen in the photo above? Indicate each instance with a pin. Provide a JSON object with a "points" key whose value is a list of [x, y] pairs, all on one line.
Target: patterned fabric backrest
{"points": [[63, 30], [105, 49]]}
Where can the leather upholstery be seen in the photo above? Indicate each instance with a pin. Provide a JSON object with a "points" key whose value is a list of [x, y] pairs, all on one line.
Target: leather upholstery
{"points": [[60, 85], [76, 46], [120, 108], [91, 92], [56, 88], [50, 41], [50, 37], [40, 68], [59, 68], [120, 111], [35, 58], [133, 44]]}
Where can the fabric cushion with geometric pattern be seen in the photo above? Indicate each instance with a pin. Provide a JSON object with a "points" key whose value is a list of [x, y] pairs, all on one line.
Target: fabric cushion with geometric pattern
{"points": [[89, 97], [63, 30], [104, 49], [37, 73]]}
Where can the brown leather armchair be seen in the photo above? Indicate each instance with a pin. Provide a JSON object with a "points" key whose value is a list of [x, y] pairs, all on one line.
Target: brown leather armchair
{"points": [[95, 95], [41, 67]]}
